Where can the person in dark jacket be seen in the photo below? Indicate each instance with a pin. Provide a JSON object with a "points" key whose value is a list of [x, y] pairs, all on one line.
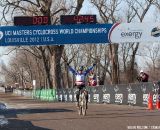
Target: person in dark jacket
{"points": [[143, 77]]}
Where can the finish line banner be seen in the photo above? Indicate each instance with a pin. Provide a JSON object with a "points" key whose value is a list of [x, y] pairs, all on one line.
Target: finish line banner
{"points": [[54, 34], [79, 34]]}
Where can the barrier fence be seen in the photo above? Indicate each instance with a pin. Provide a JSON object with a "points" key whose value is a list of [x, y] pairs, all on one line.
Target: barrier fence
{"points": [[42, 94], [131, 94], [126, 94], [45, 94]]}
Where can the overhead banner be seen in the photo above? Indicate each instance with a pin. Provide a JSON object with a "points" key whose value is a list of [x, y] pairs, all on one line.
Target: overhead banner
{"points": [[54, 34], [134, 32], [79, 34]]}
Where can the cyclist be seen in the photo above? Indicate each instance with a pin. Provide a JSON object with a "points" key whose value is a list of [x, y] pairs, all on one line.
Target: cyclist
{"points": [[143, 77], [80, 75]]}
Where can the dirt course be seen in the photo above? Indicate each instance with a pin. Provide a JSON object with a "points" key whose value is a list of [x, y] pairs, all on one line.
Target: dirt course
{"points": [[28, 114]]}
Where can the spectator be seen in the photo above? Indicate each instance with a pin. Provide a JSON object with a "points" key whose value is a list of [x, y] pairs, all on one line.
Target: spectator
{"points": [[143, 77], [92, 79], [158, 87]]}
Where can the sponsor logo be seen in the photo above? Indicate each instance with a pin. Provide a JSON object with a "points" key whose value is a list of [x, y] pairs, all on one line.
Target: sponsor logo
{"points": [[154, 97], [75, 91], [143, 88], [106, 98], [131, 34], [56, 96], [132, 98], [116, 88], [75, 98], [155, 32], [60, 97], [1, 35], [96, 97], [60, 91], [65, 97], [64, 91], [94, 90], [70, 97], [129, 89], [118, 98], [145, 98], [155, 88], [104, 89], [69, 91]]}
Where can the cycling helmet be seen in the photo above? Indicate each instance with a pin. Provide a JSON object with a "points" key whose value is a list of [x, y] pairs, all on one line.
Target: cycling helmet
{"points": [[81, 68]]}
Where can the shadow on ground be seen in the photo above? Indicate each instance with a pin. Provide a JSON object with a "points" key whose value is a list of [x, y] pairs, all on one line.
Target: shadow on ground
{"points": [[15, 124], [12, 113]]}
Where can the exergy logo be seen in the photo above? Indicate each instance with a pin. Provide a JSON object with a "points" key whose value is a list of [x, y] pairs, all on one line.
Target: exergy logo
{"points": [[1, 35], [131, 34], [155, 32]]}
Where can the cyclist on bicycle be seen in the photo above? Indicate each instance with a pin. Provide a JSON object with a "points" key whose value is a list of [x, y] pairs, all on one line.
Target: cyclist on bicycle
{"points": [[80, 75]]}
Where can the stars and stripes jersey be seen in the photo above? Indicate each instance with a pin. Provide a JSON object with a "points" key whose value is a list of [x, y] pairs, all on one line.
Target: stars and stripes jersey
{"points": [[80, 77]]}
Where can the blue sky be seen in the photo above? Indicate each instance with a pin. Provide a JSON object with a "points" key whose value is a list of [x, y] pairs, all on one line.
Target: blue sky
{"points": [[88, 8], [3, 57]]}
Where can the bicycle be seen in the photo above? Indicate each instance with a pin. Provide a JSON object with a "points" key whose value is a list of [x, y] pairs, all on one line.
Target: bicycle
{"points": [[82, 103]]}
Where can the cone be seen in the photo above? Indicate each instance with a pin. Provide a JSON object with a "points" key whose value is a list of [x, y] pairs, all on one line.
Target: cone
{"points": [[158, 102], [150, 102]]}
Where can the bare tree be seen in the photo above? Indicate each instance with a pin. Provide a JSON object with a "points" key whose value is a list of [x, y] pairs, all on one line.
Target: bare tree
{"points": [[46, 8], [140, 10], [151, 55], [79, 6], [98, 54], [25, 67], [107, 10]]}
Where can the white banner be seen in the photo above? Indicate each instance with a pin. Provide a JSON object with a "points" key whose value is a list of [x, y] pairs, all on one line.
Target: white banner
{"points": [[134, 32]]}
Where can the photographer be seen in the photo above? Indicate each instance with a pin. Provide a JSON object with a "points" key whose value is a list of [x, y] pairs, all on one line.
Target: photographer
{"points": [[143, 77]]}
